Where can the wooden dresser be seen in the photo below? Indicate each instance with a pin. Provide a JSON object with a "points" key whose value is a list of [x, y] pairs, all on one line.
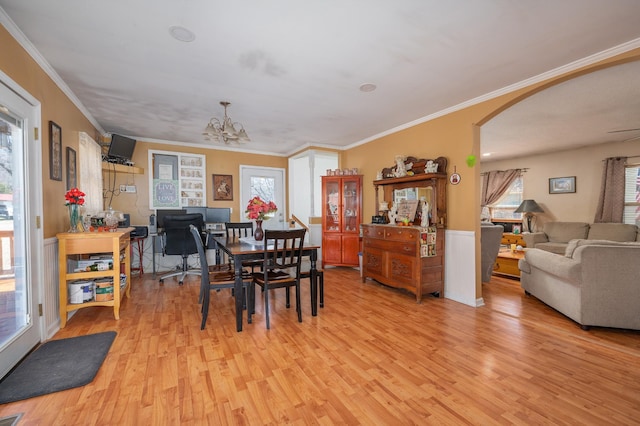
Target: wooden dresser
{"points": [[392, 255]]}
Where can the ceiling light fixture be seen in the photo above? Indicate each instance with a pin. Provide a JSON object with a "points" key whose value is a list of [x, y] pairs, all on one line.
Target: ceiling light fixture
{"points": [[225, 130], [181, 33], [367, 87]]}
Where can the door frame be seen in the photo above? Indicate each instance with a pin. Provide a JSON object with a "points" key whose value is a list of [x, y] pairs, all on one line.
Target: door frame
{"points": [[29, 107]]}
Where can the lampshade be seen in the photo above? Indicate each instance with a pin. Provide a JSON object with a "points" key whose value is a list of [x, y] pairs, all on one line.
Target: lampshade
{"points": [[529, 206]]}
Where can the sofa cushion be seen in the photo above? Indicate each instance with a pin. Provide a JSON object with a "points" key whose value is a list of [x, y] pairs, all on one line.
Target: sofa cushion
{"points": [[613, 232], [563, 232], [557, 248]]}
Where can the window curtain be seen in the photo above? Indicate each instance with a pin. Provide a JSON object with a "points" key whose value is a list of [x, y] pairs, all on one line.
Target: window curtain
{"points": [[496, 183], [90, 173], [611, 201]]}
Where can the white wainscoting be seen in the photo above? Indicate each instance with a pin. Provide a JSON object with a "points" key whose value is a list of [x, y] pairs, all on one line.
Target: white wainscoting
{"points": [[50, 294], [460, 268]]}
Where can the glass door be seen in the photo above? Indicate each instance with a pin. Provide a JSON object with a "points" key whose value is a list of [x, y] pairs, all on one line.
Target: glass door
{"points": [[268, 184], [332, 204], [20, 235], [351, 205]]}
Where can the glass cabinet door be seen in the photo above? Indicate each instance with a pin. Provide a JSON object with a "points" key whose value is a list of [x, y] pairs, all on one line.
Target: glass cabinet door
{"points": [[332, 205], [350, 212]]}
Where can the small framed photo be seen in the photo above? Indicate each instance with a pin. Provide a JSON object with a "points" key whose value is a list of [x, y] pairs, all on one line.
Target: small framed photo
{"points": [[72, 177], [516, 229], [562, 185], [222, 187], [55, 151]]}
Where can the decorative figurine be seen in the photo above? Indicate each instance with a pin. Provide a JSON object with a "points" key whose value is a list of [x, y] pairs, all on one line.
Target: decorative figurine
{"points": [[424, 221], [431, 167], [393, 213], [401, 169]]}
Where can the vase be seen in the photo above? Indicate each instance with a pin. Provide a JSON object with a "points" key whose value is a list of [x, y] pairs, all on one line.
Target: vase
{"points": [[74, 217], [258, 234]]}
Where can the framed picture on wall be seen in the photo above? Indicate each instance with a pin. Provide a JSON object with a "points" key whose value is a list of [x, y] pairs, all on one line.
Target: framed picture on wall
{"points": [[55, 151], [222, 187], [72, 176], [562, 185]]}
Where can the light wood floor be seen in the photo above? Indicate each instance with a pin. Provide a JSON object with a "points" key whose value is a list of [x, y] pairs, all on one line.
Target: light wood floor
{"points": [[372, 356]]}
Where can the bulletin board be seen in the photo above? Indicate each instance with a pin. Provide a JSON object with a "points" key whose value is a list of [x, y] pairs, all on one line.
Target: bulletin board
{"points": [[177, 180]]}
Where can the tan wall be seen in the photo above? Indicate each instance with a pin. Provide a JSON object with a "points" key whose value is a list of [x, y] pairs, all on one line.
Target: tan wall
{"points": [[454, 136], [56, 107], [218, 162], [585, 164]]}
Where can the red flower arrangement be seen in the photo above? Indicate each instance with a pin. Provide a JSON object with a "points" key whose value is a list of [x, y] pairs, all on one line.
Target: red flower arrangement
{"points": [[74, 196], [258, 209]]}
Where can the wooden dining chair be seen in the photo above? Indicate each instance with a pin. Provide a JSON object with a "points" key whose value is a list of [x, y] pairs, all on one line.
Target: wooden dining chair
{"points": [[281, 264], [239, 230], [214, 278]]}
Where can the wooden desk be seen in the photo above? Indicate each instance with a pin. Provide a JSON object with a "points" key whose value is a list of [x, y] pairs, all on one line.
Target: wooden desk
{"points": [[507, 263], [240, 251], [83, 243]]}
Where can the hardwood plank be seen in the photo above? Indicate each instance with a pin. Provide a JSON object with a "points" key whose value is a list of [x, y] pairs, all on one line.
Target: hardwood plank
{"points": [[371, 356]]}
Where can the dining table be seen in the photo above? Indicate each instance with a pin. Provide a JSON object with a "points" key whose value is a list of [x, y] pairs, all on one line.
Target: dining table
{"points": [[247, 248]]}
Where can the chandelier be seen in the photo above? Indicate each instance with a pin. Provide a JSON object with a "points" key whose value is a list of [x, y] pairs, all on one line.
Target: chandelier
{"points": [[226, 130]]}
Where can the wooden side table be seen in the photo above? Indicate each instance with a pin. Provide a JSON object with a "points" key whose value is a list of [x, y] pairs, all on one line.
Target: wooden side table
{"points": [[81, 244], [507, 263], [509, 238]]}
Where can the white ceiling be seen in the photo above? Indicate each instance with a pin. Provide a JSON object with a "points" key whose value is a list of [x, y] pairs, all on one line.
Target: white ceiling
{"points": [[292, 69]]}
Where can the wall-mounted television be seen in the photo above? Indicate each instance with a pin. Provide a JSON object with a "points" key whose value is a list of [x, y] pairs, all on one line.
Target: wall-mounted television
{"points": [[121, 148]]}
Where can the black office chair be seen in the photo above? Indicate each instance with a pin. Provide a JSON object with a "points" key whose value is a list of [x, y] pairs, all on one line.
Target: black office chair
{"points": [[213, 278], [281, 269], [177, 240]]}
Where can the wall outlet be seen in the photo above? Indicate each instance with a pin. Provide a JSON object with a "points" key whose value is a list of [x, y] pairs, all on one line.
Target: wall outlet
{"points": [[131, 188], [123, 188]]}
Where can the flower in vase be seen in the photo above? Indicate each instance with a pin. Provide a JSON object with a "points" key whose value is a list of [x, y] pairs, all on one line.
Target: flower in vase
{"points": [[74, 196], [258, 209]]}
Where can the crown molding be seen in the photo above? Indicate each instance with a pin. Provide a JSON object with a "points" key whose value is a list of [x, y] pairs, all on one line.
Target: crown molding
{"points": [[26, 44], [556, 72]]}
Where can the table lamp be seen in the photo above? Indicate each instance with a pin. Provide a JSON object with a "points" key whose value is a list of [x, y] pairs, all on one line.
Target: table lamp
{"points": [[383, 207], [529, 207]]}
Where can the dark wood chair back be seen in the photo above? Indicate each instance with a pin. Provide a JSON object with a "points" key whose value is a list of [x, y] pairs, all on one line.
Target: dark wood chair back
{"points": [[239, 229]]}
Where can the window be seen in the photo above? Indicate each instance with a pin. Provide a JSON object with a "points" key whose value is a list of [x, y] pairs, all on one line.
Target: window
{"points": [[631, 213], [504, 208]]}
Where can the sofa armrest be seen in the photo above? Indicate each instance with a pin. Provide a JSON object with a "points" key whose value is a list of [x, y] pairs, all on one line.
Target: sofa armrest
{"points": [[534, 238], [562, 267], [610, 290]]}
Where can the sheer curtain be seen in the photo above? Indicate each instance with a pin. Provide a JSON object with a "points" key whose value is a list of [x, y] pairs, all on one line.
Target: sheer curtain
{"points": [[611, 202], [90, 174]]}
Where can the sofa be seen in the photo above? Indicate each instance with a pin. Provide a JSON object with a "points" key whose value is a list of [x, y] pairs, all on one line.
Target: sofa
{"points": [[555, 236], [595, 282], [490, 238]]}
